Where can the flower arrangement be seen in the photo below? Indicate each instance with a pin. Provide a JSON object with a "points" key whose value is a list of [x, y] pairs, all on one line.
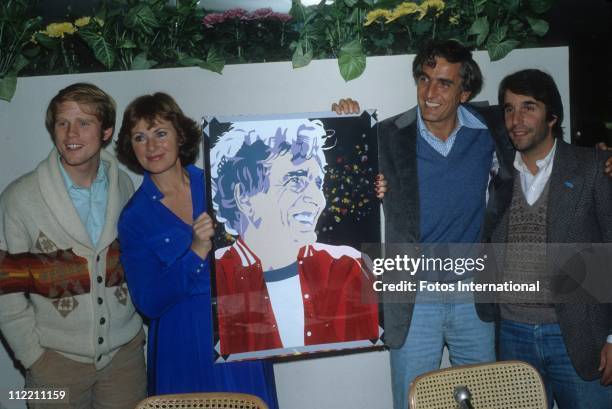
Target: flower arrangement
{"points": [[143, 34], [497, 26], [214, 19], [237, 34]]}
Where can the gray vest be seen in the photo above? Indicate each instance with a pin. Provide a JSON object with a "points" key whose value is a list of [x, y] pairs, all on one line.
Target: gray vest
{"points": [[525, 260]]}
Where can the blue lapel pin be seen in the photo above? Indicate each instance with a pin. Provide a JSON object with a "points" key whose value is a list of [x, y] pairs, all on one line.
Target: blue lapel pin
{"points": [[569, 184]]}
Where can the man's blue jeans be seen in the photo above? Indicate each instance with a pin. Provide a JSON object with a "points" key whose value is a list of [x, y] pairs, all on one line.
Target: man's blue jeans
{"points": [[434, 325], [543, 347]]}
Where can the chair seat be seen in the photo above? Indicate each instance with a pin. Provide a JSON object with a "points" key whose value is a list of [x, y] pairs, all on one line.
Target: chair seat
{"points": [[212, 400], [496, 385]]}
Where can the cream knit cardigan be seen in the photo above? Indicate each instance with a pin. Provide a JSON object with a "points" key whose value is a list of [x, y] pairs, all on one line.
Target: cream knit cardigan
{"points": [[37, 216]]}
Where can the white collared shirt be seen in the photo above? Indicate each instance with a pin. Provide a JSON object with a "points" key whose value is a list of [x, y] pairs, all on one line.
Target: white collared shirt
{"points": [[533, 185]]}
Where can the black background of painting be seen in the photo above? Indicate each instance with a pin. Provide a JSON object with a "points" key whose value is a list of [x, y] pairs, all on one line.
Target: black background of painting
{"points": [[353, 228]]}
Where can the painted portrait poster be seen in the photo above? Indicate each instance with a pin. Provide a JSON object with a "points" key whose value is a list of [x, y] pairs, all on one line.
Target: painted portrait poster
{"points": [[293, 200]]}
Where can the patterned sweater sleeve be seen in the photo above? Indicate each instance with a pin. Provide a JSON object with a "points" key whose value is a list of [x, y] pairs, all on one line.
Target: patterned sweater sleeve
{"points": [[17, 319]]}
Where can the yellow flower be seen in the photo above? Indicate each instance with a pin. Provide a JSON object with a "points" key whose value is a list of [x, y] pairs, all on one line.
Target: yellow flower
{"points": [[374, 15], [438, 5], [82, 22], [405, 9], [453, 20], [59, 29], [99, 21]]}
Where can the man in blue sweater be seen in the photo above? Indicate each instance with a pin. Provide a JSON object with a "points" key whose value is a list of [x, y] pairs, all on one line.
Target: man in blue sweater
{"points": [[438, 160]]}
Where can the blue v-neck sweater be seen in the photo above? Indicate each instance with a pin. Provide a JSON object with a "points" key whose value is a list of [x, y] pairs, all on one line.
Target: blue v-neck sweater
{"points": [[452, 189]]}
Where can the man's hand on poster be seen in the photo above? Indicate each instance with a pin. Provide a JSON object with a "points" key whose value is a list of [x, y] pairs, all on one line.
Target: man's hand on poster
{"points": [[203, 231], [346, 106], [380, 186], [350, 106], [605, 364], [604, 147]]}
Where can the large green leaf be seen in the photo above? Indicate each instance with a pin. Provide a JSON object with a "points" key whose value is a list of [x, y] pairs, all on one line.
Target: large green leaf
{"points": [[8, 85], [298, 11], [480, 28], [31, 23], [19, 64], [141, 62], [355, 17], [539, 27], [101, 48], [497, 51], [300, 58], [351, 60], [47, 42], [540, 6], [142, 17], [479, 6], [498, 34], [186, 60], [214, 61]]}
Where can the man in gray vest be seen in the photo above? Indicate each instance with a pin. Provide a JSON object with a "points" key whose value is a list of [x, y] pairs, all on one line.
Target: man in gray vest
{"points": [[559, 194]]}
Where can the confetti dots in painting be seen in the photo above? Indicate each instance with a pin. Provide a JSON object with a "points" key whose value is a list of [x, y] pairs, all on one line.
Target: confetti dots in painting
{"points": [[348, 187]]}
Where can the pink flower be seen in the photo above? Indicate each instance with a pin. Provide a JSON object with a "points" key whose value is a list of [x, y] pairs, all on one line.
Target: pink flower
{"points": [[260, 13], [236, 13], [210, 20]]}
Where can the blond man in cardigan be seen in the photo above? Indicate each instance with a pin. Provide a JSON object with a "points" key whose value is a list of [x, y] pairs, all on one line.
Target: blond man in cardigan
{"points": [[65, 310]]}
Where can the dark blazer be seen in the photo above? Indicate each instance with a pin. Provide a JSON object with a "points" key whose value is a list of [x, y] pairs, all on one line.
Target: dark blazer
{"points": [[579, 211], [398, 163]]}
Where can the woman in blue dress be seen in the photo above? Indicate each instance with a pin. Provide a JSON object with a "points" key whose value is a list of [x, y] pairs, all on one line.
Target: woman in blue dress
{"points": [[165, 235]]}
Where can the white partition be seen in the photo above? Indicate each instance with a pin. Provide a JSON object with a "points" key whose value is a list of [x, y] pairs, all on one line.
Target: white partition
{"points": [[350, 381]]}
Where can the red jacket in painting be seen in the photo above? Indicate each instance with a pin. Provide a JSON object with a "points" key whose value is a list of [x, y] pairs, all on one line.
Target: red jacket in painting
{"points": [[339, 302]]}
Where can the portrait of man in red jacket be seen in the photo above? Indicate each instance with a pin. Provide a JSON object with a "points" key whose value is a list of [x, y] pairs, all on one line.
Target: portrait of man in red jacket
{"points": [[277, 287]]}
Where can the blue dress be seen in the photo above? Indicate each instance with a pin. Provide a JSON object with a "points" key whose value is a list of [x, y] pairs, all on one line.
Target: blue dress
{"points": [[170, 285]]}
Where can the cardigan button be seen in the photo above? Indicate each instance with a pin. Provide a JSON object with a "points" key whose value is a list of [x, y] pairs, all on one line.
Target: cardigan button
{"points": [[100, 340], [99, 279], [308, 333], [306, 296], [98, 258], [99, 358], [102, 321], [100, 300]]}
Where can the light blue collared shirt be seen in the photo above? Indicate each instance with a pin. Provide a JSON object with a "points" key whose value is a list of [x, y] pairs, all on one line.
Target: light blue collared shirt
{"points": [[464, 118], [90, 203]]}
